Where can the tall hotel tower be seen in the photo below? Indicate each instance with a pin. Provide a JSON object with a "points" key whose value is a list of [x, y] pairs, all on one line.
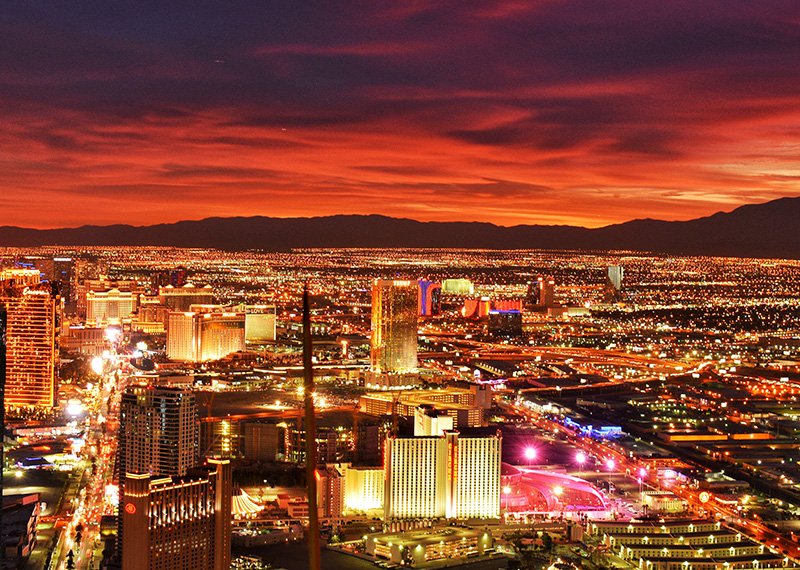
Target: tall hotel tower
{"points": [[158, 431], [448, 476], [158, 436], [34, 313], [178, 523], [393, 356], [205, 334], [612, 293]]}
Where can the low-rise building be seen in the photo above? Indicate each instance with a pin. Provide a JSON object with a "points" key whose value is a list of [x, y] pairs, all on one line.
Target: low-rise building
{"points": [[418, 546]]}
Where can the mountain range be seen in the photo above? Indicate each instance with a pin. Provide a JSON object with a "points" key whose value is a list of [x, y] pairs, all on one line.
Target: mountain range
{"points": [[769, 230]]}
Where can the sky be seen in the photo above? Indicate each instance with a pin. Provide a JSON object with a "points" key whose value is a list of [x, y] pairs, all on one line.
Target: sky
{"points": [[579, 112]]}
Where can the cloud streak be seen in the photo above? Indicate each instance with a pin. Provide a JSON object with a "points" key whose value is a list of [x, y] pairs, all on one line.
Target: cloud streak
{"points": [[557, 111]]}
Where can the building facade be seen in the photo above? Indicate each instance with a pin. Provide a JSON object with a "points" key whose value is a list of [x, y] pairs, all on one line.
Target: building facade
{"points": [[203, 336], [430, 298], [34, 314], [259, 322], [182, 298], [178, 523], [109, 307], [443, 476], [158, 435], [158, 431], [613, 287], [393, 349]]}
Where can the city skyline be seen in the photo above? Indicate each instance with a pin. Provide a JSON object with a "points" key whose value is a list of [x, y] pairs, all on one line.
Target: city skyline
{"points": [[623, 385], [551, 112]]}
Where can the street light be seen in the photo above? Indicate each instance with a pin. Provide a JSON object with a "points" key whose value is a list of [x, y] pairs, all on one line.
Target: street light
{"points": [[506, 492], [530, 453], [642, 475], [610, 463], [580, 458]]}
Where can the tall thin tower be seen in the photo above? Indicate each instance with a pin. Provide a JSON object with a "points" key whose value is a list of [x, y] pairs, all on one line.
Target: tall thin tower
{"points": [[158, 435], [393, 354], [3, 317], [31, 343]]}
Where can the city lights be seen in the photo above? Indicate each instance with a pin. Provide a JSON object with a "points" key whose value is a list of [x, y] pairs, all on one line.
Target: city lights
{"points": [[494, 421]]}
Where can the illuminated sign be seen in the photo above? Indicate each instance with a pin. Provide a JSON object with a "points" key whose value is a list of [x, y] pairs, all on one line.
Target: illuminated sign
{"points": [[705, 496], [130, 508]]}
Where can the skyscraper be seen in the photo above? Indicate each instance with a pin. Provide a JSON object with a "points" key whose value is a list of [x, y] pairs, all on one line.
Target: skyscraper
{"points": [[541, 293], [430, 298], [442, 476], [613, 287], [393, 355], [202, 336], [158, 435], [64, 275], [34, 314], [178, 523], [109, 307], [158, 431]]}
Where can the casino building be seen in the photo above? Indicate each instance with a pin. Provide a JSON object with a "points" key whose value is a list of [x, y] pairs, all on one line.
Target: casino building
{"points": [[445, 476], [178, 523]]}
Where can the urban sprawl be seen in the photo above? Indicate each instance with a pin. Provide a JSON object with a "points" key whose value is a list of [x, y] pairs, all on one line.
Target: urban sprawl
{"points": [[473, 409]]}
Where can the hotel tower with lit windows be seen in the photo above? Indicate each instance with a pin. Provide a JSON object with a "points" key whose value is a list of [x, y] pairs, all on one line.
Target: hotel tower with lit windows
{"points": [[393, 348], [178, 523], [447, 476], [34, 312], [158, 436]]}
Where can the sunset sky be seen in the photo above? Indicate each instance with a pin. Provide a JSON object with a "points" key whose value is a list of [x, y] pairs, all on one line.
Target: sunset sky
{"points": [[584, 112]]}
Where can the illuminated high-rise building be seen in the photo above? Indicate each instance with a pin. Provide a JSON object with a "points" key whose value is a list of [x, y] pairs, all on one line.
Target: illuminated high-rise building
{"points": [[541, 293], [34, 314], [86, 287], [430, 421], [158, 435], [442, 476], [56, 270], [182, 298], [613, 287], [364, 487], [64, 275], [178, 523], [109, 307], [430, 298], [158, 430], [201, 336], [393, 356]]}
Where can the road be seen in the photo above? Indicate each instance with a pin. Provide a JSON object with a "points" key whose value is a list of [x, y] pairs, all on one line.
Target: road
{"points": [[696, 499], [91, 502]]}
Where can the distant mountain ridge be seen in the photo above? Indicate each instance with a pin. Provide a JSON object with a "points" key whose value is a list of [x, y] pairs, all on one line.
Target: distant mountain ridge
{"points": [[770, 230]]}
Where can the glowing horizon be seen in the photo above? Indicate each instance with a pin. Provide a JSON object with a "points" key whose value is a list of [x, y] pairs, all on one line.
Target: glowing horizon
{"points": [[551, 112]]}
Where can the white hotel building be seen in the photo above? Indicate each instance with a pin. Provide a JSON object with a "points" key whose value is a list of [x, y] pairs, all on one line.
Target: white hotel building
{"points": [[447, 476]]}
